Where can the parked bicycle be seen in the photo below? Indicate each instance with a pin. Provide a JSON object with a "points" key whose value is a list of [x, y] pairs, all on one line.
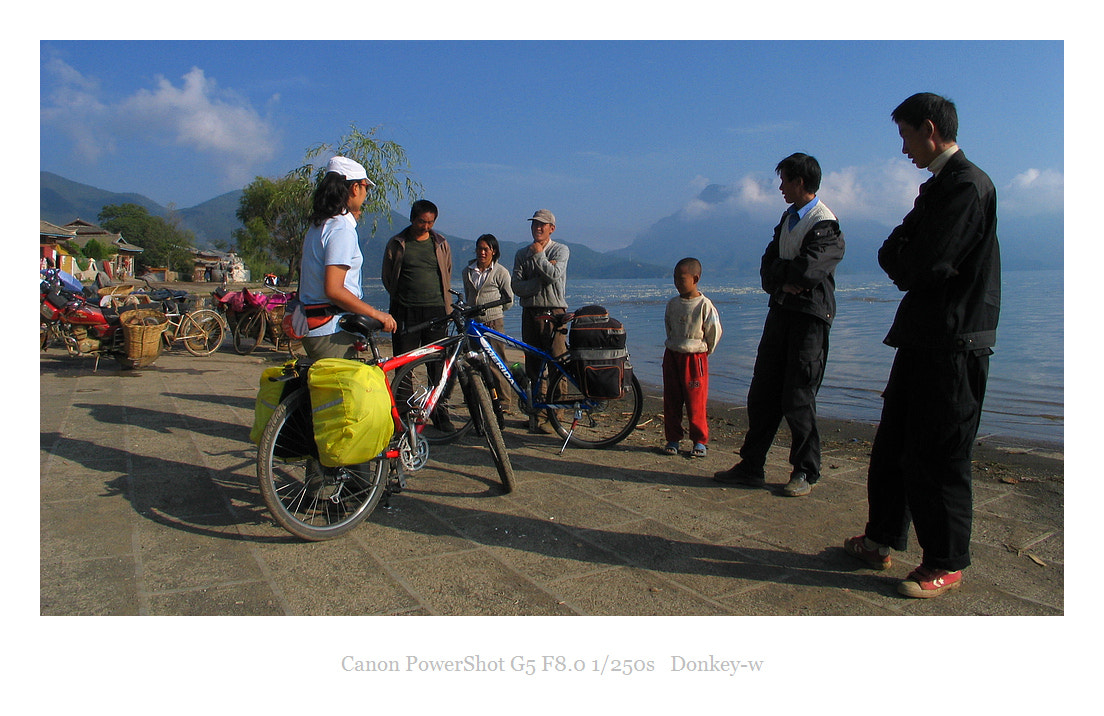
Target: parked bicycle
{"points": [[260, 320], [318, 503], [577, 417], [201, 330]]}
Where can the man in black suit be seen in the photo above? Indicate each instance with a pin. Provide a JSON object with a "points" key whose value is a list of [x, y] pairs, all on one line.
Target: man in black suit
{"points": [[946, 259]]}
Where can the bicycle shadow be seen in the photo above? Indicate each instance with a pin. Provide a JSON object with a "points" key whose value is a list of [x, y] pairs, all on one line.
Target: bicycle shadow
{"points": [[598, 470], [233, 401], [161, 421], [60, 364], [209, 501], [699, 561], [469, 462]]}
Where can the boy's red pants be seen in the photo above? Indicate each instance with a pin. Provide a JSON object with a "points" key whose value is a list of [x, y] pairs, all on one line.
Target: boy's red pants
{"points": [[685, 383]]}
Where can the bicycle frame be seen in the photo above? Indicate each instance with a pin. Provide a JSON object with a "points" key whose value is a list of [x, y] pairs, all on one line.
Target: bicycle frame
{"points": [[389, 365], [481, 334], [470, 345]]}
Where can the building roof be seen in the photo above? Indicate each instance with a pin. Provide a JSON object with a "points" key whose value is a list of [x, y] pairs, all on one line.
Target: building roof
{"points": [[85, 231], [45, 228], [84, 228]]}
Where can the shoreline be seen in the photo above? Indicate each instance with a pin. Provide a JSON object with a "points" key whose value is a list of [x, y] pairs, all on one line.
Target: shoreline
{"points": [[727, 417], [997, 457]]}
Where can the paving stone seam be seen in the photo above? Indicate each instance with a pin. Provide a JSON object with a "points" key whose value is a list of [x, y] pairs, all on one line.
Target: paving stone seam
{"points": [[679, 586], [484, 549], [141, 589], [892, 607], [755, 586], [72, 561], [1038, 540], [393, 574], [635, 564], [204, 587], [1023, 598], [270, 579]]}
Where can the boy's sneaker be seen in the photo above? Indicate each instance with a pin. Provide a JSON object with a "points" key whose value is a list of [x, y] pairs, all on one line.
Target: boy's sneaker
{"points": [[874, 558], [925, 583], [742, 476]]}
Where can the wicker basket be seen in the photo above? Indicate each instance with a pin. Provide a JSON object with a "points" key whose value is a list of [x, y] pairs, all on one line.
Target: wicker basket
{"points": [[116, 291], [142, 329], [276, 323]]}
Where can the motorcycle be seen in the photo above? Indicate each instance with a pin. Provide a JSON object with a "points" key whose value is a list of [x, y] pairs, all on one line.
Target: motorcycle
{"points": [[69, 316]]}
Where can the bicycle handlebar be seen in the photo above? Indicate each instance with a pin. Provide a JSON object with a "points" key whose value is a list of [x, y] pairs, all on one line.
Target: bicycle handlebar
{"points": [[459, 311]]}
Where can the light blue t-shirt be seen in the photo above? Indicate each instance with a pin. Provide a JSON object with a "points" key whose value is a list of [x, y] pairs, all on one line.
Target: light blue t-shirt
{"points": [[335, 243]]}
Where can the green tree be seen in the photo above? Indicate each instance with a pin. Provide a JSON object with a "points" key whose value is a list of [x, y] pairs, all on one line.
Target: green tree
{"points": [[164, 243], [274, 212], [95, 250]]}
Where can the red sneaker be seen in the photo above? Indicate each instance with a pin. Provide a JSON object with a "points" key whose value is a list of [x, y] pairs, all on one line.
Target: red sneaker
{"points": [[856, 547], [925, 583]]}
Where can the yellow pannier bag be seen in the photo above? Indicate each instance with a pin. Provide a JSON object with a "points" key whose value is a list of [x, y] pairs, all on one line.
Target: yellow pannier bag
{"points": [[268, 397], [351, 411]]}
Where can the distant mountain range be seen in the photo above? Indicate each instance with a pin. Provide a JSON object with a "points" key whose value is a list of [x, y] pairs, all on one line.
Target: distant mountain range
{"points": [[726, 241], [213, 223]]}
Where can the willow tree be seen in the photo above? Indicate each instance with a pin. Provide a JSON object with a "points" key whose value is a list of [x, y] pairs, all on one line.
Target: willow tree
{"points": [[274, 212]]}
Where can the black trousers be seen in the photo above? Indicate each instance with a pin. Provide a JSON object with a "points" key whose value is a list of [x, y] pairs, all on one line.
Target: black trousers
{"points": [[407, 316], [789, 368], [403, 341], [544, 335], [920, 463]]}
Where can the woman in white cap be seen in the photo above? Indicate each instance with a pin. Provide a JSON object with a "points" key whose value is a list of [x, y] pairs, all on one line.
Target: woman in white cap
{"points": [[330, 282]]}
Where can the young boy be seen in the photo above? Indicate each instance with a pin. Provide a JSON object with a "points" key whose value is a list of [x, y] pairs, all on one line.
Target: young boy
{"points": [[693, 329]]}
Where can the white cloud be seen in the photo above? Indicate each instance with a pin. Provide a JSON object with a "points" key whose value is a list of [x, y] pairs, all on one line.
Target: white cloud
{"points": [[748, 194], [74, 107], [699, 182], [217, 124], [1033, 192], [882, 193]]}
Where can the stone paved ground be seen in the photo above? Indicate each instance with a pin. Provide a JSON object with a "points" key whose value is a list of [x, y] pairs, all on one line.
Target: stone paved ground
{"points": [[149, 506]]}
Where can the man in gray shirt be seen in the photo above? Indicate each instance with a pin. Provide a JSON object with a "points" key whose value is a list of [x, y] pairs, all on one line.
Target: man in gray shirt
{"points": [[540, 282]]}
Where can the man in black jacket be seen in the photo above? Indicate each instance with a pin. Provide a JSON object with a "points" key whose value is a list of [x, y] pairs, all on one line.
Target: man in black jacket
{"points": [[946, 259], [798, 272]]}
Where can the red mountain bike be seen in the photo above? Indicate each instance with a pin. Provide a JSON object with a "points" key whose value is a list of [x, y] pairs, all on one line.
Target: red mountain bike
{"points": [[315, 502]]}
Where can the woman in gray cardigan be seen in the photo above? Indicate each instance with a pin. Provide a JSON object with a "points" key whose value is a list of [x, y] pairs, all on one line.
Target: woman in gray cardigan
{"points": [[487, 281]]}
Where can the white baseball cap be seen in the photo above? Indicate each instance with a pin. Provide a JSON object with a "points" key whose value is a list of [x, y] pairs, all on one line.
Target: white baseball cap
{"points": [[349, 169]]}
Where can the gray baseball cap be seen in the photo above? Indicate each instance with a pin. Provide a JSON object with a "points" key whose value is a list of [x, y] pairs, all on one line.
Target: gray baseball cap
{"points": [[544, 216]]}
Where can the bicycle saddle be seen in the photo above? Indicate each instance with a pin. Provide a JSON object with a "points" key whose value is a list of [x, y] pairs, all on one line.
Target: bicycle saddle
{"points": [[360, 325]]}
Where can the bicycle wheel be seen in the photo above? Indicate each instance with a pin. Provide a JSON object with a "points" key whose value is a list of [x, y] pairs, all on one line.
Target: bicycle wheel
{"points": [[604, 423], [308, 500], [249, 333], [202, 332], [495, 441], [411, 385]]}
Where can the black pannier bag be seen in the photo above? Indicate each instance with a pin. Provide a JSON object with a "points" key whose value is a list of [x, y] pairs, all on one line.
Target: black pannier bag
{"points": [[597, 345]]}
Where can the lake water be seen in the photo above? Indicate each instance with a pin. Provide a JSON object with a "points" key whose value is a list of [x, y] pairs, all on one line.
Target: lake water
{"points": [[1024, 398]]}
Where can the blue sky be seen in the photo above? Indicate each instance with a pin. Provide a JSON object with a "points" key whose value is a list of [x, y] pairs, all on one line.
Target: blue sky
{"points": [[611, 136]]}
